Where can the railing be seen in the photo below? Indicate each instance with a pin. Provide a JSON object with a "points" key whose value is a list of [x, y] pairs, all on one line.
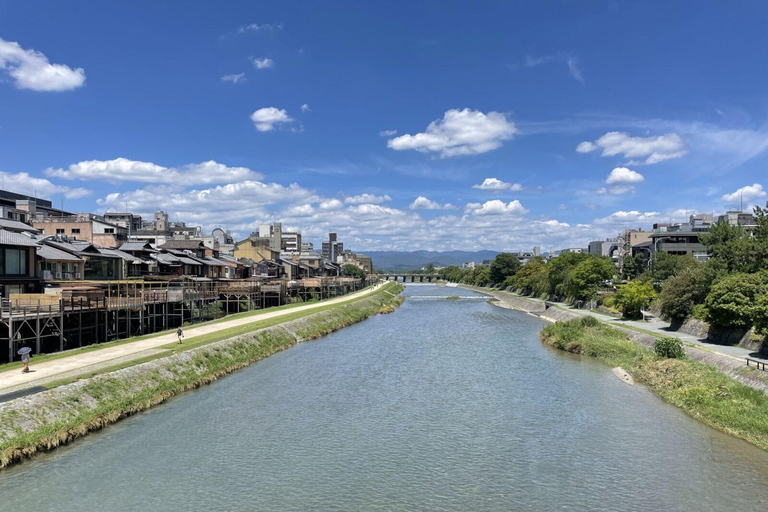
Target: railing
{"points": [[760, 365]]}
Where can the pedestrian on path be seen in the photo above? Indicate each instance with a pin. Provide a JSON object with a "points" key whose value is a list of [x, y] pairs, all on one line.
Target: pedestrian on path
{"points": [[180, 334], [25, 360]]}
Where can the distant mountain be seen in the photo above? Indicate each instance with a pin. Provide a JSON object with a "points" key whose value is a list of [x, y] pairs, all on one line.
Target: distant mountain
{"points": [[402, 260]]}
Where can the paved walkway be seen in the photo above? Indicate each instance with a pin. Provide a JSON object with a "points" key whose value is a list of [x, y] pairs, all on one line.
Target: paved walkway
{"points": [[660, 327], [14, 380]]}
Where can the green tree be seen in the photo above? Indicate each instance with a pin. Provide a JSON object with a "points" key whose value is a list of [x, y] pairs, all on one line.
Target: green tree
{"points": [[633, 297], [429, 268], [482, 276], [685, 290], [558, 269], [504, 265], [350, 270], [586, 278], [738, 300], [527, 277], [665, 265], [633, 266]]}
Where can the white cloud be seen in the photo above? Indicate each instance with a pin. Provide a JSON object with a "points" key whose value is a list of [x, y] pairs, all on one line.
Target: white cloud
{"points": [[367, 198], [235, 79], [31, 69], [263, 63], [497, 207], [653, 149], [423, 203], [748, 193], [23, 183], [331, 204], [387, 133], [255, 27], [573, 68], [586, 147], [305, 108], [459, 132], [266, 118], [494, 184], [123, 169], [623, 175], [562, 206]]}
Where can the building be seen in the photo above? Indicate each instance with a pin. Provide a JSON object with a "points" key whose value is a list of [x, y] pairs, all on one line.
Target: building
{"points": [[25, 208], [577, 250], [679, 239], [17, 263], [224, 241], [357, 259], [128, 221], [57, 265], [273, 233], [291, 242], [332, 248], [256, 249], [307, 247], [85, 227], [738, 218]]}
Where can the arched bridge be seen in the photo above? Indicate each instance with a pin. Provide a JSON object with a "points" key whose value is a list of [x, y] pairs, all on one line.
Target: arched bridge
{"points": [[412, 278]]}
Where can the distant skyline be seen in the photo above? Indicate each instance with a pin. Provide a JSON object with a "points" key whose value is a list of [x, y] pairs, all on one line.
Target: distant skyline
{"points": [[406, 126]]}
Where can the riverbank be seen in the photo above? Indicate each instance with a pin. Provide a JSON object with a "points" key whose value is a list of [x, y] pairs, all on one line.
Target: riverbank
{"points": [[699, 389], [55, 417]]}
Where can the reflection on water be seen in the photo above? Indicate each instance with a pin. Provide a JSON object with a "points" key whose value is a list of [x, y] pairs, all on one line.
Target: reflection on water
{"points": [[442, 405]]}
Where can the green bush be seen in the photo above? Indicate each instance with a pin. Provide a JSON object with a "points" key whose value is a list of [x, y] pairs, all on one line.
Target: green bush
{"points": [[669, 348], [633, 297], [590, 321], [735, 300]]}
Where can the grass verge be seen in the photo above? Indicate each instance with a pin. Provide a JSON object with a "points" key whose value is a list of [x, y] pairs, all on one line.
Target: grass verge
{"points": [[700, 390], [55, 417]]}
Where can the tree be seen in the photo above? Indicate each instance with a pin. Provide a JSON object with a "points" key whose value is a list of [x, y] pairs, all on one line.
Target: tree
{"points": [[429, 268], [633, 297], [665, 265], [738, 300], [527, 277], [584, 280], [350, 270], [558, 269], [685, 290], [482, 276], [503, 266], [633, 266]]}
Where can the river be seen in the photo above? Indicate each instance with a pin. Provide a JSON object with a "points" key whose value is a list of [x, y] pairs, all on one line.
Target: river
{"points": [[446, 405]]}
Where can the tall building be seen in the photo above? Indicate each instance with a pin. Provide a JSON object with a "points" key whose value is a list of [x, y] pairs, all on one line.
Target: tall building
{"points": [[291, 242], [332, 248]]}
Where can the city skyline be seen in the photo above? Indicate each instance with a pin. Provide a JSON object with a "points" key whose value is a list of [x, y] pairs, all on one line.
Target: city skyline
{"points": [[451, 128]]}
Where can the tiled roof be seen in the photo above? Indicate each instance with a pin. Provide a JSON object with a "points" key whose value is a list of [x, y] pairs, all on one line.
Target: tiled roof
{"points": [[14, 225], [47, 252], [136, 246], [182, 244], [11, 238]]}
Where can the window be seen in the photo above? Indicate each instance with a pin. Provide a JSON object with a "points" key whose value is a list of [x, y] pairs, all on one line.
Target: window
{"points": [[59, 231], [75, 231], [13, 262], [109, 230]]}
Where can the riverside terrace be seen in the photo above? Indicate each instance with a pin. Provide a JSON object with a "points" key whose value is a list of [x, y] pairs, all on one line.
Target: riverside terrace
{"points": [[90, 312], [421, 278]]}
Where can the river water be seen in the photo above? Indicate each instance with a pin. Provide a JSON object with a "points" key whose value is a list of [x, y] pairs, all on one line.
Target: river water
{"points": [[448, 405]]}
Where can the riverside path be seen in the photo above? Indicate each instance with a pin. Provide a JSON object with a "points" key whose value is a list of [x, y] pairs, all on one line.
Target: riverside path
{"points": [[13, 381]]}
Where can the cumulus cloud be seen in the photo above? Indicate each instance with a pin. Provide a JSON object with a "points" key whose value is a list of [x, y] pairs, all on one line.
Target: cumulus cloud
{"points": [[423, 203], [331, 204], [23, 183], [123, 169], [748, 193], [265, 119], [497, 207], [367, 198], [305, 108], [653, 149], [494, 184], [263, 63], [235, 79], [30, 69], [459, 132], [387, 133], [624, 175]]}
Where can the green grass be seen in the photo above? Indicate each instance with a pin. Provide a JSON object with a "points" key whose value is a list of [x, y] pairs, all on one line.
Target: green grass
{"points": [[452, 297], [107, 398], [700, 390], [98, 346]]}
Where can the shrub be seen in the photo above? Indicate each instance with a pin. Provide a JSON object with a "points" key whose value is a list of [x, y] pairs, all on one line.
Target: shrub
{"points": [[683, 291], [669, 348], [633, 297], [735, 300], [590, 321]]}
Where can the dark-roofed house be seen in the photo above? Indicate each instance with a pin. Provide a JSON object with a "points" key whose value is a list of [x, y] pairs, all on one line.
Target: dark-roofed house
{"points": [[196, 247], [17, 264], [57, 264], [98, 264]]}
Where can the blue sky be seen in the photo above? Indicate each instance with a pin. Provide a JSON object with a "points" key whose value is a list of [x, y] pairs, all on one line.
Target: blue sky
{"points": [[401, 125]]}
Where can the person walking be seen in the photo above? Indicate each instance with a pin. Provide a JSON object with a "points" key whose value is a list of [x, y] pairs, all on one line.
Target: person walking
{"points": [[25, 360], [180, 334]]}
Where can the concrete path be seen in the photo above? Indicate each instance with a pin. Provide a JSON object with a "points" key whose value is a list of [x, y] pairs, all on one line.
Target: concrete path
{"points": [[659, 327], [48, 371]]}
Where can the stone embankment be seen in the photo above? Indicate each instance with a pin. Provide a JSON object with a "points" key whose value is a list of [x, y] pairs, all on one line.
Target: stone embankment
{"points": [[51, 418], [734, 367]]}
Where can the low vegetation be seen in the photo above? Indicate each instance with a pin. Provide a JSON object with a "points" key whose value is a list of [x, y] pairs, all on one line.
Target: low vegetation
{"points": [[700, 390]]}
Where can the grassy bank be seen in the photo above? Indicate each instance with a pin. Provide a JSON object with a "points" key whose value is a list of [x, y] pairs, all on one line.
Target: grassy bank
{"points": [[700, 390], [52, 418]]}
